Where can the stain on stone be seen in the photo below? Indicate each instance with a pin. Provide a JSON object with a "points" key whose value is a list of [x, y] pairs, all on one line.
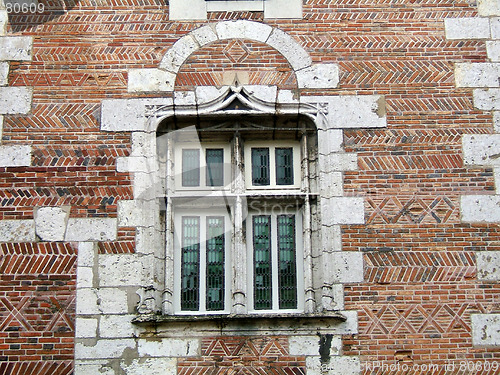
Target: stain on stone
{"points": [[325, 344]]}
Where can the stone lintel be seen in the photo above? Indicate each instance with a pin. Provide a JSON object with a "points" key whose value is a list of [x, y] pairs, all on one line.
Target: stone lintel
{"points": [[488, 265], [481, 149], [15, 48], [15, 100], [467, 28], [485, 330], [480, 208]]}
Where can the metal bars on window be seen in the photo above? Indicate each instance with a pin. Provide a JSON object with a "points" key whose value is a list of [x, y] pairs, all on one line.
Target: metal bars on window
{"points": [[215, 271], [287, 262], [215, 166], [190, 263], [260, 167], [284, 165], [262, 262]]}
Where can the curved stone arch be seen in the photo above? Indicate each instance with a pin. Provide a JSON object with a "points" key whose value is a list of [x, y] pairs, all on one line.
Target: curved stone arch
{"points": [[308, 75]]}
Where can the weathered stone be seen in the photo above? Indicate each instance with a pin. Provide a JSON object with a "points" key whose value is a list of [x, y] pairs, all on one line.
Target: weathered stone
{"points": [[136, 164], [91, 301], [86, 254], [493, 50], [330, 141], [1, 128], [50, 222], [339, 162], [204, 35], [147, 240], [143, 144], [283, 9], [495, 27], [166, 347], [481, 149], [3, 21], [342, 210], [331, 184], [496, 175], [496, 121], [480, 208], [487, 100], [150, 80], [290, 49], [488, 265], [150, 366], [121, 270], [338, 365], [15, 156], [91, 229], [242, 29], [84, 277], [207, 94], [86, 327], [331, 238], [235, 6], [187, 10], [96, 367], [347, 267], [117, 326], [477, 74], [17, 230], [4, 73], [15, 100], [320, 76], [15, 48], [178, 53], [467, 28], [266, 94], [485, 330], [487, 8], [310, 345], [103, 349]]}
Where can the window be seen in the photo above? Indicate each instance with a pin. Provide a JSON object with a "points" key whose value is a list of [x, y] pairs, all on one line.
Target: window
{"points": [[274, 253], [237, 202], [202, 261], [202, 167], [273, 165]]}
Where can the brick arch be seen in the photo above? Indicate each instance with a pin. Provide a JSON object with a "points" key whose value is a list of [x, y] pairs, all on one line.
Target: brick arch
{"points": [[223, 61], [297, 57]]}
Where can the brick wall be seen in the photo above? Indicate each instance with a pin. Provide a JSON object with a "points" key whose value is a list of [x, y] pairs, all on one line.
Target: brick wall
{"points": [[420, 277]]}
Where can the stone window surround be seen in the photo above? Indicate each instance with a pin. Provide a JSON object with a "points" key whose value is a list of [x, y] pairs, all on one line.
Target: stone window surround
{"points": [[198, 9]]}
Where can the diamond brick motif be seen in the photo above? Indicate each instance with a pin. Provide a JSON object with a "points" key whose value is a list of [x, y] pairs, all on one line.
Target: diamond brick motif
{"points": [[236, 51]]}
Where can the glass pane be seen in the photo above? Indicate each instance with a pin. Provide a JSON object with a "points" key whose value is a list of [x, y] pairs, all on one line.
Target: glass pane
{"points": [[215, 167], [190, 167], [215, 263], [262, 262], [287, 269], [260, 166], [284, 166], [190, 263]]}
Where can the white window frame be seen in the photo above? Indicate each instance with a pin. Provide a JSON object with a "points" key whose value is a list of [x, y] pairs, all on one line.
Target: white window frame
{"points": [[179, 146], [299, 254], [228, 230], [198, 9], [273, 145]]}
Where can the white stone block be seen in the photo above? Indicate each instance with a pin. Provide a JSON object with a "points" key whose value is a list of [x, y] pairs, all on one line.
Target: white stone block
{"points": [[150, 366], [487, 8], [481, 149], [485, 330], [488, 265], [86, 254], [266, 94], [331, 238], [91, 229], [288, 97], [137, 164], [177, 54], [122, 115], [487, 99], [4, 73], [103, 349], [495, 28], [16, 48], [346, 267], [242, 29], [235, 6], [338, 365], [86, 302], [15, 156], [364, 111], [143, 144], [480, 208], [331, 184], [150, 80], [99, 367], [303, 345], [330, 141], [342, 210], [17, 231], [50, 222], [4, 19], [283, 9], [117, 326], [493, 50], [320, 76], [1, 128], [85, 277], [167, 347], [339, 162], [187, 10], [15, 100], [184, 98], [147, 240], [477, 74], [86, 327], [112, 301], [496, 175], [122, 270], [290, 49], [207, 94], [204, 35], [147, 186], [467, 28]]}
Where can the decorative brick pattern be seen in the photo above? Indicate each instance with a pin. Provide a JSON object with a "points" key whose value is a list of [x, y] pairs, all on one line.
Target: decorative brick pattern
{"points": [[243, 355]]}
